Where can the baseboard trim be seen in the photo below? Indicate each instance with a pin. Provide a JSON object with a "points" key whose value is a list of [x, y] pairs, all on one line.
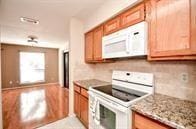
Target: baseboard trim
{"points": [[37, 85], [72, 115]]}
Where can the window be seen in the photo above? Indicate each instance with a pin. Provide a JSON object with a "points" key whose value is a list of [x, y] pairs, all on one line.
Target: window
{"points": [[32, 67]]}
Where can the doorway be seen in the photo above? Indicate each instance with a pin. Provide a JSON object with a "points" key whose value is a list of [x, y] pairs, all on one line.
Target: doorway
{"points": [[66, 69]]}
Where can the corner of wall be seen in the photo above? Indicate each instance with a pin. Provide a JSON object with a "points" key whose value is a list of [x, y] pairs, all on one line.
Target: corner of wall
{"points": [[1, 121]]}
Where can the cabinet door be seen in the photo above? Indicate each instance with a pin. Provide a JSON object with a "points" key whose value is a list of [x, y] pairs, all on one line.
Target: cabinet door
{"points": [[132, 16], [193, 25], [77, 104], [98, 34], [89, 46], [84, 110], [141, 122], [112, 26], [170, 28]]}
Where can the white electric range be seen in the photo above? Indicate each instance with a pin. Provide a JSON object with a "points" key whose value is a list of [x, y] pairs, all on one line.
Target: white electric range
{"points": [[110, 104]]}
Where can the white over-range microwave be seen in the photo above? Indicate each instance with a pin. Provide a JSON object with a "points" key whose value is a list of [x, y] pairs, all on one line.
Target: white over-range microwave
{"points": [[129, 42]]}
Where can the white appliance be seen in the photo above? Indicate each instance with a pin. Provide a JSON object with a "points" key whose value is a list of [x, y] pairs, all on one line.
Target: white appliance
{"points": [[109, 105], [129, 42]]}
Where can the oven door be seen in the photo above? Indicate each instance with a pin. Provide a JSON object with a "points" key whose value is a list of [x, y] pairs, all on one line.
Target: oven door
{"points": [[116, 45], [111, 115]]}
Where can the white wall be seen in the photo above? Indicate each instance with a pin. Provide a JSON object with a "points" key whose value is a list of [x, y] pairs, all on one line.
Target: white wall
{"points": [[61, 66], [1, 122], [109, 9], [78, 68], [62, 49]]}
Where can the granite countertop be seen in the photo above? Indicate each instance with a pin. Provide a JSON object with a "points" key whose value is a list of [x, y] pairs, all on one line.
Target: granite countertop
{"points": [[90, 83], [174, 112]]}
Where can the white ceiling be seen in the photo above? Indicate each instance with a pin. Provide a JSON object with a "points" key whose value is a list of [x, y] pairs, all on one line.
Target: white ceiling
{"points": [[54, 16]]}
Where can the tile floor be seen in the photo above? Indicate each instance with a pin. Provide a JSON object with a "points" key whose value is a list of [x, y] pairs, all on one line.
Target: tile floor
{"points": [[66, 123]]}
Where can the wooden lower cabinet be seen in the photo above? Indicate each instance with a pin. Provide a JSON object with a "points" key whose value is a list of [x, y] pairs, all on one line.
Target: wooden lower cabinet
{"points": [[142, 122], [77, 104], [81, 104], [84, 110]]}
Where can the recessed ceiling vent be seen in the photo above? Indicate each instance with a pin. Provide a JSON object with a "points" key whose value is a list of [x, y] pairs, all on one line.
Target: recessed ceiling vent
{"points": [[29, 20], [32, 39]]}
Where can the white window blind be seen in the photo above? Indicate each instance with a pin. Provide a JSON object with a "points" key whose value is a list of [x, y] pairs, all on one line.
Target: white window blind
{"points": [[32, 67]]}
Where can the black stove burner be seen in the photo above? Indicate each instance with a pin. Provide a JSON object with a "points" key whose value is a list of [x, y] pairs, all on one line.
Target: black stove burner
{"points": [[121, 93]]}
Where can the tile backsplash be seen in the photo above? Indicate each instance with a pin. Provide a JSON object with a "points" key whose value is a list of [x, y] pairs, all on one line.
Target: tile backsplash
{"points": [[173, 78]]}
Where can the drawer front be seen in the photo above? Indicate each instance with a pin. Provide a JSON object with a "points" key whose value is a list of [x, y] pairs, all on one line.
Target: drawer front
{"points": [[77, 88], [133, 16], [84, 92], [112, 26], [141, 122]]}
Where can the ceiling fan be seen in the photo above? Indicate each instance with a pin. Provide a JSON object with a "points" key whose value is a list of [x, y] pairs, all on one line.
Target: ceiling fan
{"points": [[32, 39]]}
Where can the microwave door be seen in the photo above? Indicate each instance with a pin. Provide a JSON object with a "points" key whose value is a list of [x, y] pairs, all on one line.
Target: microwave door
{"points": [[116, 47]]}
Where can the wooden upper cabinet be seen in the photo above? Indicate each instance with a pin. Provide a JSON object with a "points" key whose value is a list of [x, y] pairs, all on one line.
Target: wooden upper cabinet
{"points": [[112, 25], [98, 34], [89, 46], [127, 18], [170, 28], [132, 16]]}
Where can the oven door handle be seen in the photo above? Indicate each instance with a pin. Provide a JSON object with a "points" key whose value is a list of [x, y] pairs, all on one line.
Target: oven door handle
{"points": [[112, 105]]}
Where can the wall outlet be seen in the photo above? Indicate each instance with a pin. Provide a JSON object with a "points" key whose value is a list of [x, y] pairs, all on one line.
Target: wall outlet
{"points": [[185, 77], [10, 82]]}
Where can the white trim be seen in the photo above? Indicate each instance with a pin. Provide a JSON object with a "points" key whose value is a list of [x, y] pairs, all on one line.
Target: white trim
{"points": [[37, 85]]}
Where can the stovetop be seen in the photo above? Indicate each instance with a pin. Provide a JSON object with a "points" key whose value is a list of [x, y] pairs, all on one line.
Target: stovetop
{"points": [[121, 93]]}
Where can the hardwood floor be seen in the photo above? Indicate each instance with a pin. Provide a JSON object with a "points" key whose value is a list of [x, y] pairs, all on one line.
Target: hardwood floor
{"points": [[34, 107]]}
